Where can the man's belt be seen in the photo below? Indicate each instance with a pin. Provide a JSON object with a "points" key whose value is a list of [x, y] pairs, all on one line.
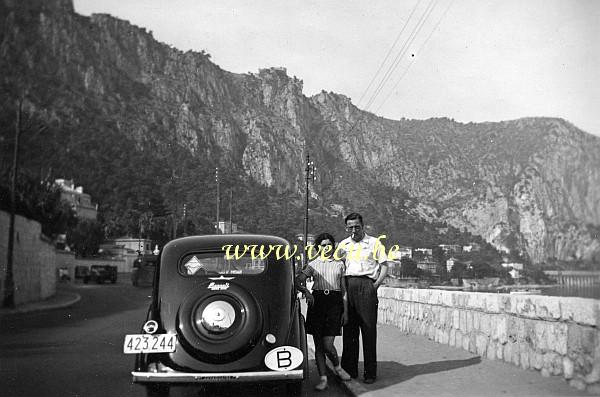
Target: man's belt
{"points": [[365, 277], [326, 291]]}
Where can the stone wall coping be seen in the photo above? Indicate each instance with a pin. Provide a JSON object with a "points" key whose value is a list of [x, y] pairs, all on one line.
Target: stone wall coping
{"points": [[550, 308], [83, 260]]}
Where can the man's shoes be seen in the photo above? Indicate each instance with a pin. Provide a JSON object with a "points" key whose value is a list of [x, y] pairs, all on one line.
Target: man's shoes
{"points": [[342, 374], [322, 385], [369, 381]]}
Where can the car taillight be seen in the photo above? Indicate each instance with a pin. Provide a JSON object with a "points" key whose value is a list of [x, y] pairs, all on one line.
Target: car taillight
{"points": [[216, 317]]}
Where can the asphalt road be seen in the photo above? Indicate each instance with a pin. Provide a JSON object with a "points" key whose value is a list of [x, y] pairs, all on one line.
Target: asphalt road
{"points": [[77, 351]]}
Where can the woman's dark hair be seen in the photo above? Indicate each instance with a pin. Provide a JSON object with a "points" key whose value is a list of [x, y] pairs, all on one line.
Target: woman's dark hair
{"points": [[324, 236], [352, 216]]}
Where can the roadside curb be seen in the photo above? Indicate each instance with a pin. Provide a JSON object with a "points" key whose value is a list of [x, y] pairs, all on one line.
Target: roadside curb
{"points": [[352, 387], [65, 299]]}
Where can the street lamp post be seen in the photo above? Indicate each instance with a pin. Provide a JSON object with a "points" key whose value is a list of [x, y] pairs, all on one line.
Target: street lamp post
{"points": [[184, 220], [218, 198], [9, 282], [310, 175]]}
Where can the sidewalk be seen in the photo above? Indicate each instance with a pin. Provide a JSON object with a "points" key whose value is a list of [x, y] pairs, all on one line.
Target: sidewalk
{"points": [[411, 365], [63, 298]]}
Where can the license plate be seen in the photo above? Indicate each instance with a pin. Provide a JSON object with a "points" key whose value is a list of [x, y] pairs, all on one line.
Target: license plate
{"points": [[146, 343]]}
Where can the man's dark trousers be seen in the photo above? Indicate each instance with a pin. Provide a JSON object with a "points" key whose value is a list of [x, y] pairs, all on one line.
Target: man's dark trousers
{"points": [[362, 316]]}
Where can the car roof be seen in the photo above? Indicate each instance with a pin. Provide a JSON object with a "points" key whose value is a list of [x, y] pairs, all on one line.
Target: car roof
{"points": [[216, 241]]}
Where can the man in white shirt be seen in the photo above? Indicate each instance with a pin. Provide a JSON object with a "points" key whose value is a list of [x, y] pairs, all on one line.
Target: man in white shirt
{"points": [[366, 268]]}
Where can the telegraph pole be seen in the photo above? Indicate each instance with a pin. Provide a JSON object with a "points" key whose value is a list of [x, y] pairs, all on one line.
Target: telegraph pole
{"points": [[218, 231], [9, 282], [231, 210], [310, 175], [184, 220]]}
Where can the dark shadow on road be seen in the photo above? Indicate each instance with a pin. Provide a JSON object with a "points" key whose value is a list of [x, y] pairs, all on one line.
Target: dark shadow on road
{"points": [[96, 301], [390, 372]]}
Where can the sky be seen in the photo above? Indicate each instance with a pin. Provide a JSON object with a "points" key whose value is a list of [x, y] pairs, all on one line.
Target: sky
{"points": [[469, 60]]}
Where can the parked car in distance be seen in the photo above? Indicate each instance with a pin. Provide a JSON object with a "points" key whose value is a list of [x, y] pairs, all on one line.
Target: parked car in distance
{"points": [[215, 317], [101, 273], [81, 272], [143, 270]]}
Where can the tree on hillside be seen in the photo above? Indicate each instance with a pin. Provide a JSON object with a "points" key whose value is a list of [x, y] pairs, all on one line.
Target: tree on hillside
{"points": [[535, 274], [482, 269], [39, 200], [458, 270], [86, 237], [408, 268]]}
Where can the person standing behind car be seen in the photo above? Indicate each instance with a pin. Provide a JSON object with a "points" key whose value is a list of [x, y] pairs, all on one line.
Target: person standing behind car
{"points": [[366, 268], [326, 305]]}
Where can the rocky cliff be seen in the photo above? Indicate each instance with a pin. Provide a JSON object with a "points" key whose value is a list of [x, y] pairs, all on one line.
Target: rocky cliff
{"points": [[530, 185]]}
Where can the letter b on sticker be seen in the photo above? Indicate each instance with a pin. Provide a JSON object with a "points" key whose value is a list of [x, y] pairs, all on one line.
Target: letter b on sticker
{"points": [[284, 358]]}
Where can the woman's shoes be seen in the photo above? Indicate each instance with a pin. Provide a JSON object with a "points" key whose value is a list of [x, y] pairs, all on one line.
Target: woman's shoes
{"points": [[322, 385], [342, 374]]}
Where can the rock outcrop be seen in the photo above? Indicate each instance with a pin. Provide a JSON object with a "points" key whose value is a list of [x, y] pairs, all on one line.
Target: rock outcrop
{"points": [[531, 185]]}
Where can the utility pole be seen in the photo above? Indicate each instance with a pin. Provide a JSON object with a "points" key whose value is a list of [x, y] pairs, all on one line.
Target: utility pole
{"points": [[310, 174], [230, 210], [184, 220], [9, 282], [218, 198]]}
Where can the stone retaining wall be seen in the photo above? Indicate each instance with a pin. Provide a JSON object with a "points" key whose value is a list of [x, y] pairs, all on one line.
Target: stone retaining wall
{"points": [[555, 335], [34, 269]]}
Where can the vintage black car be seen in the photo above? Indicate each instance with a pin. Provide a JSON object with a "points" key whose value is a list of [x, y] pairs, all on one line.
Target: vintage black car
{"points": [[100, 274], [218, 316]]}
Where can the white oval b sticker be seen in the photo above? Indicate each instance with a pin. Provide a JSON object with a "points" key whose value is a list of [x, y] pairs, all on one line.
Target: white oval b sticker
{"points": [[284, 358]]}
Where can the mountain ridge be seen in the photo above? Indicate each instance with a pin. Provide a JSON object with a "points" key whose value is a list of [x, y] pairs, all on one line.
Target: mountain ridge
{"points": [[530, 185]]}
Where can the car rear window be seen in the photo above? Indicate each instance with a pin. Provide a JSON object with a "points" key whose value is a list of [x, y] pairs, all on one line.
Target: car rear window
{"points": [[217, 263]]}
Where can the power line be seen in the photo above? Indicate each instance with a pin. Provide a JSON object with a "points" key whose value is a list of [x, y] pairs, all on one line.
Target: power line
{"points": [[419, 51], [402, 51], [388, 53], [416, 30]]}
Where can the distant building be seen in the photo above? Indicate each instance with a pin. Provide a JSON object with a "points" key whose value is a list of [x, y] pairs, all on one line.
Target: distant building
{"points": [[516, 270], [394, 267], [226, 227], [397, 255], [405, 252], [123, 245], [310, 238], [514, 265], [422, 253], [81, 202], [514, 273], [450, 262], [427, 265], [450, 248], [472, 247]]}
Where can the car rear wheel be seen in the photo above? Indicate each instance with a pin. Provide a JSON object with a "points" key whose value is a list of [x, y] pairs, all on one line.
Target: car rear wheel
{"points": [[157, 390]]}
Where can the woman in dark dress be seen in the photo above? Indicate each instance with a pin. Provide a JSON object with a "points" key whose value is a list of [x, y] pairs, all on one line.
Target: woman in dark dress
{"points": [[327, 310]]}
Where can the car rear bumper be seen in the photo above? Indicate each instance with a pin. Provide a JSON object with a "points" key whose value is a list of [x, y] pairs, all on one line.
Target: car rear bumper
{"points": [[204, 377]]}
